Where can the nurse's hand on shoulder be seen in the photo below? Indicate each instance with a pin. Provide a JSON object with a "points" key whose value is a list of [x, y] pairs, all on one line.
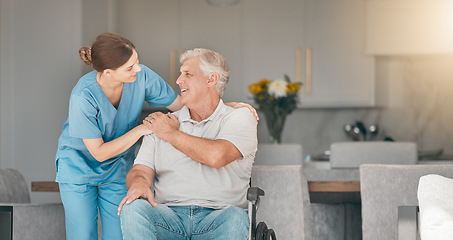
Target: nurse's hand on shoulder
{"points": [[137, 191], [241, 105]]}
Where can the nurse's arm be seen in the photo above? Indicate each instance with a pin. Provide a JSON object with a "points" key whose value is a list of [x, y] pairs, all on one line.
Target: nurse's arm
{"points": [[102, 151], [176, 105], [139, 181]]}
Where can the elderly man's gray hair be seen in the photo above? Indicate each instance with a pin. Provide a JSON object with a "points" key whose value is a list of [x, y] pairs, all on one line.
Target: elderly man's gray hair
{"points": [[210, 62]]}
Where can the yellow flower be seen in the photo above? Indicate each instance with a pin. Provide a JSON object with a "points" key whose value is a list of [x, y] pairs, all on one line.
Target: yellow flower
{"points": [[293, 87], [255, 88], [259, 87], [264, 82]]}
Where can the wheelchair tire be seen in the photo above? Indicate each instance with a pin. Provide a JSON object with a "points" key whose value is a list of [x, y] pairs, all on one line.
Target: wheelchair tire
{"points": [[270, 234], [261, 231]]}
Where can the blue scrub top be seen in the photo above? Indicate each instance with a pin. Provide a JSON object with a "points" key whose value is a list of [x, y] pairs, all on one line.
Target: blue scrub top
{"points": [[91, 115]]}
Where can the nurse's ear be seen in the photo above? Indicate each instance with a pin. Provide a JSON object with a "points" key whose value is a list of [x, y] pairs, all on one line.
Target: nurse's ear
{"points": [[107, 72]]}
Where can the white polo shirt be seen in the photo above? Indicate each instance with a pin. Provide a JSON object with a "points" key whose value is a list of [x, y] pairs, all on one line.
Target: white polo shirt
{"points": [[181, 181]]}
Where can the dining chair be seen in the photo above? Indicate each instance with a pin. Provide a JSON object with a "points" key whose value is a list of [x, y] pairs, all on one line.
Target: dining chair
{"points": [[385, 190], [286, 207], [21, 219], [350, 155], [435, 194], [279, 154], [353, 154]]}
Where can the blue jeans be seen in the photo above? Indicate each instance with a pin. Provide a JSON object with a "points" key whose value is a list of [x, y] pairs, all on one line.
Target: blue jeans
{"points": [[81, 203], [139, 220]]}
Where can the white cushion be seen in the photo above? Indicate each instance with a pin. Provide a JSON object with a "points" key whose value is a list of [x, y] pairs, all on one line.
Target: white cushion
{"points": [[435, 198]]}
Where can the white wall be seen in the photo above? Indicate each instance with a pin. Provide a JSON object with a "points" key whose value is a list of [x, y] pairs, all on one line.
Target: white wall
{"points": [[97, 17], [39, 66]]}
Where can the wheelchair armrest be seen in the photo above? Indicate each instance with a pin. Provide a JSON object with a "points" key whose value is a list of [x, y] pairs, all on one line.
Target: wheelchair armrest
{"points": [[254, 193]]}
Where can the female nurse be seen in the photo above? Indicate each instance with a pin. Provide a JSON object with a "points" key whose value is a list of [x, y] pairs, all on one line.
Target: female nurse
{"points": [[96, 148]]}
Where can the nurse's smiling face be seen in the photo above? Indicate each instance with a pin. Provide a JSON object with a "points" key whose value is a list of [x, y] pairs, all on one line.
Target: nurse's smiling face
{"points": [[127, 72]]}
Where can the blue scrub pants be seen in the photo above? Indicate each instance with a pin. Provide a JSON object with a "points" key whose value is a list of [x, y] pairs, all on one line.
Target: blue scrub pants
{"points": [[139, 220], [81, 203]]}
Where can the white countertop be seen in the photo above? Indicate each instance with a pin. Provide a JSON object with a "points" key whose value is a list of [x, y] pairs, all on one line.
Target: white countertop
{"points": [[321, 170]]}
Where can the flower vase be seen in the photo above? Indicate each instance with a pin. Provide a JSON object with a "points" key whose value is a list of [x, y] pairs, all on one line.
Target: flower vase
{"points": [[275, 123]]}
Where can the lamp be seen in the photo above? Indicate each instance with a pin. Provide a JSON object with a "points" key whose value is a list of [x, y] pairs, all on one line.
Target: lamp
{"points": [[222, 3]]}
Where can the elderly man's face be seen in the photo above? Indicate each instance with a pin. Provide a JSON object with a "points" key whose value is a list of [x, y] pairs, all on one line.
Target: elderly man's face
{"points": [[192, 81]]}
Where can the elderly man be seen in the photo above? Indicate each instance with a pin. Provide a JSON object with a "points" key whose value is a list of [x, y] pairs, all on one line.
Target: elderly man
{"points": [[199, 161]]}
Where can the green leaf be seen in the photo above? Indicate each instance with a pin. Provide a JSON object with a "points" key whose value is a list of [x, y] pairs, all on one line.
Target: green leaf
{"points": [[287, 78]]}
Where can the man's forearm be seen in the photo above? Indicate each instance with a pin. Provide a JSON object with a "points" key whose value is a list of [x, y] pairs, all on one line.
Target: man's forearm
{"points": [[213, 153], [137, 176]]}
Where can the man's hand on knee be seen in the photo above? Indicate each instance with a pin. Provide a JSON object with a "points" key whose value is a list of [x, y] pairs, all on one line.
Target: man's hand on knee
{"points": [[137, 192]]}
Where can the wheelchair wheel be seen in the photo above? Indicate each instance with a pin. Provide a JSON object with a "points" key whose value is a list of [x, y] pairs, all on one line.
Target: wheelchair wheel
{"points": [[270, 234], [261, 231]]}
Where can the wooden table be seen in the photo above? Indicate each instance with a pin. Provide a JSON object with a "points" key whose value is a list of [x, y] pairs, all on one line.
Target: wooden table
{"points": [[334, 186], [44, 187], [334, 192], [313, 186]]}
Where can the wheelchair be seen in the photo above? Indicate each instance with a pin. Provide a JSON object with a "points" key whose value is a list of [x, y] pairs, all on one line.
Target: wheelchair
{"points": [[260, 231]]}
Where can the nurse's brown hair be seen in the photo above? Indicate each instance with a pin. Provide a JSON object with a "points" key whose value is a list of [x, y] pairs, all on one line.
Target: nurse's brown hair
{"points": [[108, 51]]}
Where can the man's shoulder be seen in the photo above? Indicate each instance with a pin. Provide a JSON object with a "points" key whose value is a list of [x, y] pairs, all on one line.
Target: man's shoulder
{"points": [[177, 113]]}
